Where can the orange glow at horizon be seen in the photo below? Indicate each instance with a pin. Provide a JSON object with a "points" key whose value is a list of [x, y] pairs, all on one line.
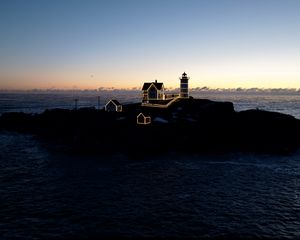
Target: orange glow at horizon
{"points": [[219, 76]]}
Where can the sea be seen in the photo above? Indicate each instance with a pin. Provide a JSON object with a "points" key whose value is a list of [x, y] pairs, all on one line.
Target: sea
{"points": [[45, 194]]}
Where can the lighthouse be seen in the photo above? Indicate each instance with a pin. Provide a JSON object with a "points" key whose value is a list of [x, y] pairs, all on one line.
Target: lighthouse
{"points": [[184, 86]]}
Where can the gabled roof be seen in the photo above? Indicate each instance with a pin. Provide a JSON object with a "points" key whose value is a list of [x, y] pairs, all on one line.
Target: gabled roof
{"points": [[142, 114], [114, 101], [147, 85]]}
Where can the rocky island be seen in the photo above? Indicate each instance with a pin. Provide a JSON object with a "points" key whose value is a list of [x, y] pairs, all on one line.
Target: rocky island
{"points": [[189, 126], [162, 123]]}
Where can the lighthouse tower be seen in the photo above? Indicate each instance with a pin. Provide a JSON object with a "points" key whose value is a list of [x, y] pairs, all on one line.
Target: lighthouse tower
{"points": [[184, 86]]}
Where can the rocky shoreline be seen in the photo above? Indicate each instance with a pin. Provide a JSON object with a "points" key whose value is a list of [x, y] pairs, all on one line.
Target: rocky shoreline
{"points": [[187, 126]]}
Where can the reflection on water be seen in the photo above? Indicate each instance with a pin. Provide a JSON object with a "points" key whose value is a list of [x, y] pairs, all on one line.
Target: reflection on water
{"points": [[50, 195]]}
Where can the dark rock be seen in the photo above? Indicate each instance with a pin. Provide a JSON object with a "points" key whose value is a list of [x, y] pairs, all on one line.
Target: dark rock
{"points": [[189, 125]]}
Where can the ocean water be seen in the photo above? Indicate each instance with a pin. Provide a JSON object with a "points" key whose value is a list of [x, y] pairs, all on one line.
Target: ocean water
{"points": [[285, 102], [36, 102], [46, 194]]}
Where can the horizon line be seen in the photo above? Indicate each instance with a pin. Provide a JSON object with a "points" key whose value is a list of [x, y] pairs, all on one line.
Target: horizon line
{"points": [[139, 89]]}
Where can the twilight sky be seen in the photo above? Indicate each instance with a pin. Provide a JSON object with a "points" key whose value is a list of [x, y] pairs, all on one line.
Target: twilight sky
{"points": [[91, 44]]}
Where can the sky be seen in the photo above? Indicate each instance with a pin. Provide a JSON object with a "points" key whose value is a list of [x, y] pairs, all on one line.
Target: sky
{"points": [[88, 44]]}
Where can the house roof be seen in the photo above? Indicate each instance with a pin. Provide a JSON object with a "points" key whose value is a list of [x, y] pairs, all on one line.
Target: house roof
{"points": [[142, 114], [116, 102], [156, 84]]}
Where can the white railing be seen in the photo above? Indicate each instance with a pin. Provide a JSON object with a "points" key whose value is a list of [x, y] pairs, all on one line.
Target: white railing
{"points": [[161, 105]]}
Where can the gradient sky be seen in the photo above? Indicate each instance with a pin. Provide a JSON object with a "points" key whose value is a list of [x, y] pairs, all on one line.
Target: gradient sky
{"points": [[91, 44]]}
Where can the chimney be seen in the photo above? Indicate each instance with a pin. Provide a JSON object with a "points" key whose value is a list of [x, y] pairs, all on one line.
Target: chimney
{"points": [[155, 81]]}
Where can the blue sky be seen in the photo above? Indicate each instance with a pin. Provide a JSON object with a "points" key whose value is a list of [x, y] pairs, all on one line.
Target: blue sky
{"points": [[91, 44]]}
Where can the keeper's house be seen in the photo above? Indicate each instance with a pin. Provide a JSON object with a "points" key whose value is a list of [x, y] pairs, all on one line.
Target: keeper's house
{"points": [[153, 91], [113, 106]]}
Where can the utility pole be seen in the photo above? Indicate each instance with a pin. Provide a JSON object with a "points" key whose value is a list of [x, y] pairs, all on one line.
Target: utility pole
{"points": [[98, 102], [76, 103]]}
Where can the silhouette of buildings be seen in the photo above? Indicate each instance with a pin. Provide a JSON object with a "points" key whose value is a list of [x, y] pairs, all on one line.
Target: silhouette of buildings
{"points": [[113, 106], [154, 93], [154, 96]]}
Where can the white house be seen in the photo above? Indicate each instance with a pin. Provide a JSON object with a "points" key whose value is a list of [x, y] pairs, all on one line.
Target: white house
{"points": [[113, 106], [153, 91], [142, 119]]}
